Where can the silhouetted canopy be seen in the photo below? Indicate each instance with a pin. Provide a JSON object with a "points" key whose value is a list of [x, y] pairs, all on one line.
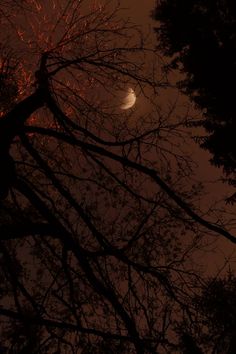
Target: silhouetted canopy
{"points": [[200, 39]]}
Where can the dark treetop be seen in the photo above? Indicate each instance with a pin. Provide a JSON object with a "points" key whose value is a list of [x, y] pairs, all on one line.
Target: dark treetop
{"points": [[200, 39]]}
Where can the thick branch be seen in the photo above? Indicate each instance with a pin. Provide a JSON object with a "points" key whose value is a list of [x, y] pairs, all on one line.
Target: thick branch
{"points": [[143, 169], [12, 123]]}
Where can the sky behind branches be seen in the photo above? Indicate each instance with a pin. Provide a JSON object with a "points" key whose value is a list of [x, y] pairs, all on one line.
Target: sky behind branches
{"points": [[105, 179], [205, 172]]}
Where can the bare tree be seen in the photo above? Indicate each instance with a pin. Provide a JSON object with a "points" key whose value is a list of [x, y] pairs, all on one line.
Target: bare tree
{"points": [[93, 248]]}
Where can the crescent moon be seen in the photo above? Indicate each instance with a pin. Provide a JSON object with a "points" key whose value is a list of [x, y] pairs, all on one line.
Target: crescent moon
{"points": [[129, 99]]}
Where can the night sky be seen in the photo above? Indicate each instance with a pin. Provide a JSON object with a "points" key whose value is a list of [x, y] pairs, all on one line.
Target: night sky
{"points": [[215, 190], [111, 216]]}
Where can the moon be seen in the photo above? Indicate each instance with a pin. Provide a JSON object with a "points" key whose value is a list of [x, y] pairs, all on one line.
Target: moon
{"points": [[129, 99]]}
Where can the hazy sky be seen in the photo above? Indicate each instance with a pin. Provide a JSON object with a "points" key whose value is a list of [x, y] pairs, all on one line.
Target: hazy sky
{"points": [[139, 13]]}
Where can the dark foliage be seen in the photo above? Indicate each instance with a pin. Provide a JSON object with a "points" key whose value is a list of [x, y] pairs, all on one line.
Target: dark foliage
{"points": [[200, 38], [213, 322]]}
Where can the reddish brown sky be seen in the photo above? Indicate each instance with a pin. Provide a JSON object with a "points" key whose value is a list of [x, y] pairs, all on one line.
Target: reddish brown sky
{"points": [[139, 12]]}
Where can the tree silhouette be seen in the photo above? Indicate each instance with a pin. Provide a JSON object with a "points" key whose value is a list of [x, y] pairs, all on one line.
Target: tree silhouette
{"points": [[98, 221], [212, 325], [8, 95], [199, 37]]}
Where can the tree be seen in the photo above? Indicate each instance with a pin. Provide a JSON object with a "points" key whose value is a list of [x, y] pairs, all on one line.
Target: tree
{"points": [[8, 85], [212, 325], [94, 243], [199, 38]]}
